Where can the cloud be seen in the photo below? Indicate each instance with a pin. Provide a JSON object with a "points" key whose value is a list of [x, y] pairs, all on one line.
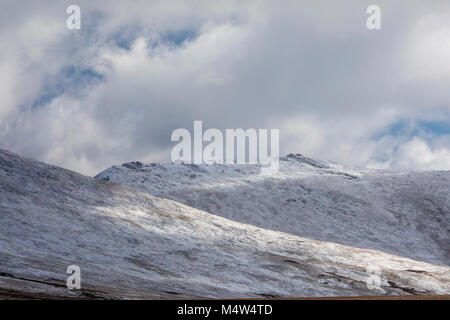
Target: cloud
{"points": [[115, 90], [417, 154]]}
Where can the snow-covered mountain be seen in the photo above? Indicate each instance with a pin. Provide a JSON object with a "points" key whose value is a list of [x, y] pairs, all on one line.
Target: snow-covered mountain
{"points": [[130, 244], [402, 213]]}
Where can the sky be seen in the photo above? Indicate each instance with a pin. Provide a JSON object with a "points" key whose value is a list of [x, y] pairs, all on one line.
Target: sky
{"points": [[113, 91]]}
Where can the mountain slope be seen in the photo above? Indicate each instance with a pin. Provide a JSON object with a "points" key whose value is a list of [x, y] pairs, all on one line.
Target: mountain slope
{"points": [[403, 213], [129, 244]]}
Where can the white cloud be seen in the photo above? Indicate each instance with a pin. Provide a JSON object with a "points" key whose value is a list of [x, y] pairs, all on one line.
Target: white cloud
{"points": [[416, 154], [323, 79]]}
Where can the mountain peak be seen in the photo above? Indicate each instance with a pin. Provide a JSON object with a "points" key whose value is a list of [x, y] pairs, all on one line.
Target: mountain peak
{"points": [[298, 157]]}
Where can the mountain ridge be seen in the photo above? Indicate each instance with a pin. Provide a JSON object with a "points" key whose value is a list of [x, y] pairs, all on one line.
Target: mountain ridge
{"points": [[131, 245], [399, 212]]}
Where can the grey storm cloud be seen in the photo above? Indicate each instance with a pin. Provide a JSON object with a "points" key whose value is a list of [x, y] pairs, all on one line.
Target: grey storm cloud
{"points": [[116, 89]]}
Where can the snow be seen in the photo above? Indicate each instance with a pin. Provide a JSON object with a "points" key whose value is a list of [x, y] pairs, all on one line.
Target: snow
{"points": [[131, 245], [403, 213]]}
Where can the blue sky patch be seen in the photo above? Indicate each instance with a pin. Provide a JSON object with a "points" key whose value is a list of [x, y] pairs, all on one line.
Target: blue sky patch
{"points": [[409, 129], [69, 81], [178, 37]]}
